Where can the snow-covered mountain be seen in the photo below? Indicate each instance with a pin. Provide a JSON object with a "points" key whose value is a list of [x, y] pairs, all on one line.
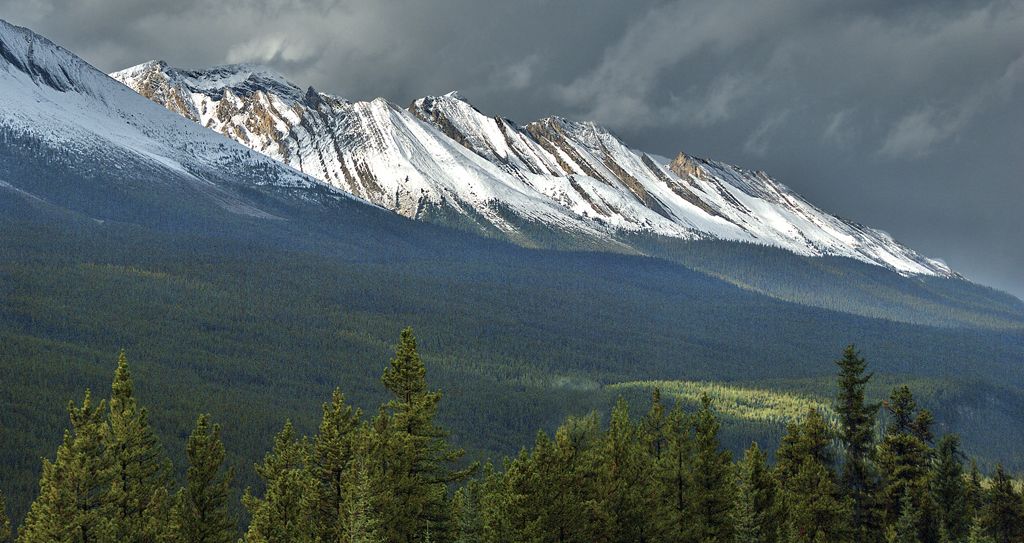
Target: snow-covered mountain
{"points": [[63, 114], [442, 158]]}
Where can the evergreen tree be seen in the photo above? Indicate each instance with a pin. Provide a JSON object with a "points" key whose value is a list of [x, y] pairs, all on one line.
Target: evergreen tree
{"points": [[286, 510], [904, 458], [977, 533], [974, 493], [929, 526], [815, 510], [539, 491], [905, 530], [1002, 516], [805, 441], [467, 516], [498, 504], [333, 454], [858, 480], [949, 489], [415, 459], [5, 522], [673, 481], [757, 512], [358, 521], [623, 485], [654, 425], [711, 479], [200, 512], [73, 503], [141, 472], [560, 484]]}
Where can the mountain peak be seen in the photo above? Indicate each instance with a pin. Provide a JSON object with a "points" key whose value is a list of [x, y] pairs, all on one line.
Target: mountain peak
{"points": [[452, 99], [576, 177], [241, 79]]}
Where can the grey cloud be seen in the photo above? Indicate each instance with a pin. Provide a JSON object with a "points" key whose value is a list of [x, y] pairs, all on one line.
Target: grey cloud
{"points": [[838, 129], [759, 141], [916, 133]]}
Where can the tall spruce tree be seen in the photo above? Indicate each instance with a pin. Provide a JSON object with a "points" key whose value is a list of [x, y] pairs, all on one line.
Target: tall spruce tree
{"points": [[858, 480], [200, 513], [623, 483], [672, 474], [905, 529], [654, 425], [333, 455], [1002, 516], [757, 512], [550, 492], [5, 521], [974, 493], [816, 511], [711, 479], [467, 517], [286, 510], [359, 523], [571, 462], [805, 441], [497, 502], [416, 461], [949, 489], [904, 457], [73, 503], [141, 477]]}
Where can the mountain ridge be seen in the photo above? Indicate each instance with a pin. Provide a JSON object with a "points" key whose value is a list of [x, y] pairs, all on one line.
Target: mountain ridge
{"points": [[441, 152]]}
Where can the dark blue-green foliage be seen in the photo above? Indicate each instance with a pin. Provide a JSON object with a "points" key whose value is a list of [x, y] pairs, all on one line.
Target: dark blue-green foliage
{"points": [[257, 319]]}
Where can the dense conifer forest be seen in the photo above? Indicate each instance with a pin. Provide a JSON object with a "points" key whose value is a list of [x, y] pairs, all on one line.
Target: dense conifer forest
{"points": [[854, 470]]}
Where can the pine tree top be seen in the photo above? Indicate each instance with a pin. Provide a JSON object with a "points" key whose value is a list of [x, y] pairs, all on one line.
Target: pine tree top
{"points": [[122, 388], [405, 376]]}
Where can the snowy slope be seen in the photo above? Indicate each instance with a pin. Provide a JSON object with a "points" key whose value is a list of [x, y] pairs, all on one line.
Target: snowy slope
{"points": [[570, 176], [53, 98]]}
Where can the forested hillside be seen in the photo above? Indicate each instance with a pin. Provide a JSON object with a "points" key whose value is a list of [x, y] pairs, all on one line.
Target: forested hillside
{"points": [[394, 475], [253, 324]]}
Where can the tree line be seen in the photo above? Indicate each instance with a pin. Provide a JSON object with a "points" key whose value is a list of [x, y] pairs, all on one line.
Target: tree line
{"points": [[395, 477]]}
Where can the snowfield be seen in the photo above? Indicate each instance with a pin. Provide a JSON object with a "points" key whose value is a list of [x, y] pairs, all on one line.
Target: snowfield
{"points": [[575, 177]]}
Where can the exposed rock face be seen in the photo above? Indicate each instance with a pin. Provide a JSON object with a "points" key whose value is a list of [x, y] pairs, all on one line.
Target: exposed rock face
{"points": [[684, 167], [442, 155]]}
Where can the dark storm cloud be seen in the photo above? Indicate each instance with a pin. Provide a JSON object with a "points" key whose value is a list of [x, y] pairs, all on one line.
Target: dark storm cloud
{"points": [[908, 116]]}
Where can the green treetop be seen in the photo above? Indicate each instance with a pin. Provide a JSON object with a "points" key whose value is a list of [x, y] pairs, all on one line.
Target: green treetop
{"points": [[73, 502], [623, 478], [141, 472], [673, 477], [1002, 516], [200, 512], [757, 514], [858, 480], [816, 511], [333, 451], [711, 479], [904, 457], [416, 460], [285, 512], [950, 489]]}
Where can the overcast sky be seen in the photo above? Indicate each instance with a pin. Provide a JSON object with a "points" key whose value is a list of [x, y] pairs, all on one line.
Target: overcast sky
{"points": [[907, 116]]}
